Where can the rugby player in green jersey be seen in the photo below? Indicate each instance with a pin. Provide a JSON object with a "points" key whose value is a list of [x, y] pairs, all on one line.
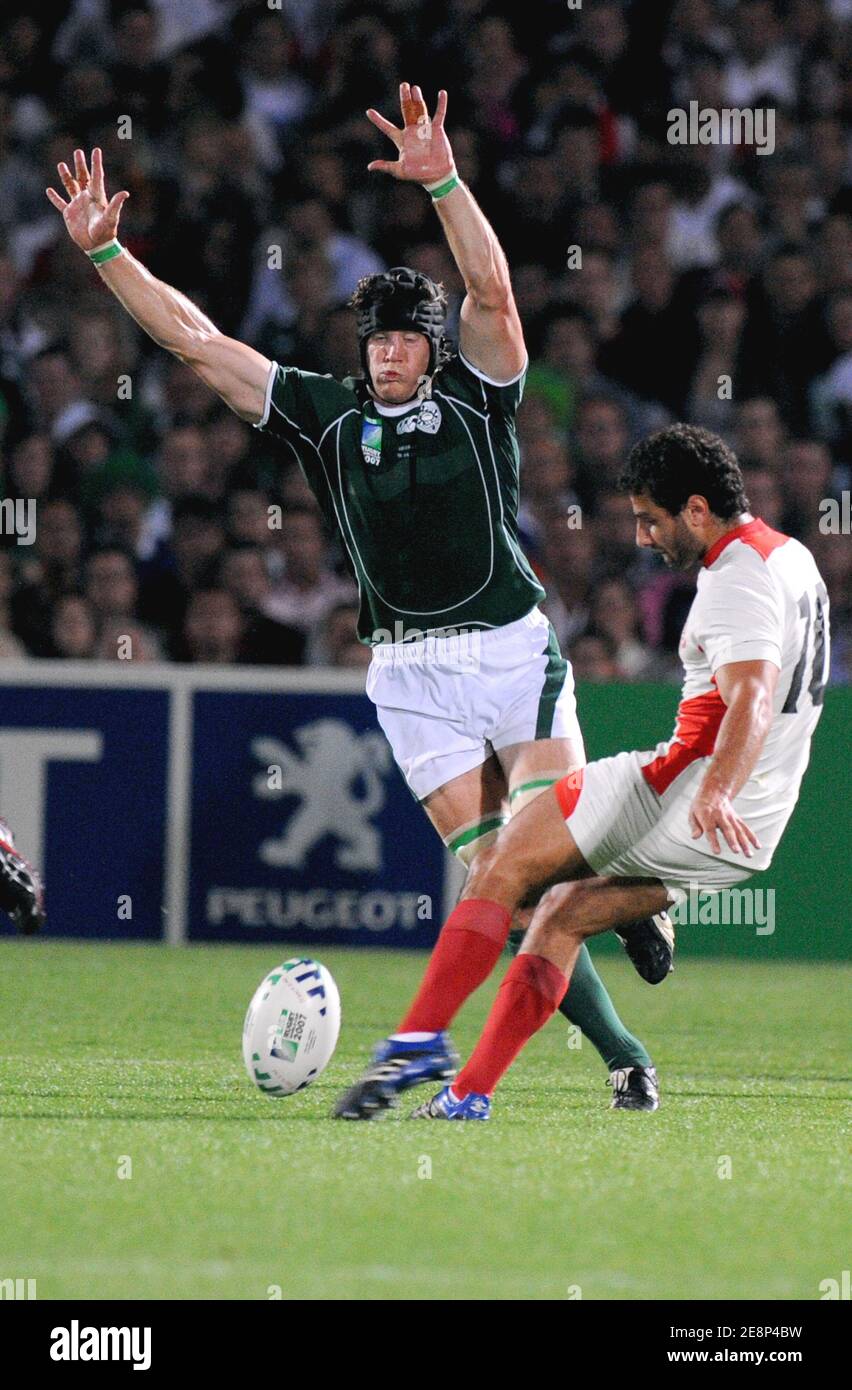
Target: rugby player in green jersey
{"points": [[416, 466]]}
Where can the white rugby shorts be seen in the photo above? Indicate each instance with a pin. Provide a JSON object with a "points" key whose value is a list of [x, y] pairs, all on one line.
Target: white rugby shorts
{"points": [[622, 827], [445, 704]]}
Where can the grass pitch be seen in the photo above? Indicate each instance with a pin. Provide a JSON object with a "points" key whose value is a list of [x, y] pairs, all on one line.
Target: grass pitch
{"points": [[112, 1053]]}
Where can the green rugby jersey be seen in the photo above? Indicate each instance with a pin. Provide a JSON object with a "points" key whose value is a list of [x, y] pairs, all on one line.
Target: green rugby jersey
{"points": [[424, 495]]}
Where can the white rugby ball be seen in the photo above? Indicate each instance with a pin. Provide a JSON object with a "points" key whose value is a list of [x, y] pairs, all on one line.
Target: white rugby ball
{"points": [[291, 1027]]}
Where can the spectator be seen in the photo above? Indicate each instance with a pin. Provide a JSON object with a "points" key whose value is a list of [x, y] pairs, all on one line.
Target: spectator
{"points": [[709, 400], [249, 517], [614, 527], [593, 658], [784, 341], [183, 469], [73, 630], [831, 393], [309, 588], [228, 442], [119, 640], [60, 403], [603, 440], [766, 496], [651, 352], [275, 96], [121, 515], [567, 566], [189, 563], [58, 549], [807, 481], [31, 468], [758, 433], [11, 647], [567, 371], [333, 639], [213, 628], [111, 586], [309, 227], [615, 616], [596, 291], [546, 487], [243, 574]]}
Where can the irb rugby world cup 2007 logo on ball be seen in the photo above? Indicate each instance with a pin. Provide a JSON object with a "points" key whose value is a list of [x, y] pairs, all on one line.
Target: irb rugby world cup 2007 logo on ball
{"points": [[291, 1027]]}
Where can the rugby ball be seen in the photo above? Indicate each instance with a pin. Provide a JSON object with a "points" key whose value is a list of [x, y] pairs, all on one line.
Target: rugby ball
{"points": [[291, 1027]]}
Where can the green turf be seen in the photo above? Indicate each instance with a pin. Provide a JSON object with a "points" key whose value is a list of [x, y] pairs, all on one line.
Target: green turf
{"points": [[111, 1051]]}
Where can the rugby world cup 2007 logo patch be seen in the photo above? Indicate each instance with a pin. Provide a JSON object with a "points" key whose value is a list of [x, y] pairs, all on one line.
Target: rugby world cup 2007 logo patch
{"points": [[371, 441]]}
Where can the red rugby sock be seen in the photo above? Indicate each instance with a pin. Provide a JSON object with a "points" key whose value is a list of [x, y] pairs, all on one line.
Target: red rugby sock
{"points": [[532, 990], [465, 953]]}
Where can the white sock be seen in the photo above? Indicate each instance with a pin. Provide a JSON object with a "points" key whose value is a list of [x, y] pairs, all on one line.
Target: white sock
{"points": [[412, 1037]]}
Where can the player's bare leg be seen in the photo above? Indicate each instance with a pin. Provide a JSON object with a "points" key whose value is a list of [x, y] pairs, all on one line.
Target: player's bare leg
{"points": [[536, 848], [532, 767], [470, 810]]}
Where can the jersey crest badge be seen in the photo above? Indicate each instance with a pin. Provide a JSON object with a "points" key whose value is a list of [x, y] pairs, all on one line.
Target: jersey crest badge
{"points": [[428, 419]]}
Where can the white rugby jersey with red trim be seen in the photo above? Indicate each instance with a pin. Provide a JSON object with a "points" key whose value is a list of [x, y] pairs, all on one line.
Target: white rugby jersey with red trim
{"points": [[760, 597]]}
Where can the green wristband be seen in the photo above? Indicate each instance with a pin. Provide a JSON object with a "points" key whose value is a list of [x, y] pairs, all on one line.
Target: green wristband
{"points": [[444, 188], [106, 253]]}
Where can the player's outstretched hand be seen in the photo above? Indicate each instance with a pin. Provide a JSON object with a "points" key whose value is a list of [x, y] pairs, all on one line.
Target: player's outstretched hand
{"points": [[424, 150], [711, 814], [90, 219]]}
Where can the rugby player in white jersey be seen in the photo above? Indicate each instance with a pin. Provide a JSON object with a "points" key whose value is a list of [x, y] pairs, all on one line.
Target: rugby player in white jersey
{"points": [[416, 466], [707, 808]]}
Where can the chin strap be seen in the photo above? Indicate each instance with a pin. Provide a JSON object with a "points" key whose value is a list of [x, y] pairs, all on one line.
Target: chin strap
{"points": [[423, 392]]}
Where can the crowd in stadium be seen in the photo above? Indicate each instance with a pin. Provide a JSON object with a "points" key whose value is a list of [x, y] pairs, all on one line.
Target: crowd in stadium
{"points": [[245, 155]]}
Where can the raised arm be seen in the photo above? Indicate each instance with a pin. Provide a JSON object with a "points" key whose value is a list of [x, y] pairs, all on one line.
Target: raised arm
{"points": [[235, 371], [491, 336]]}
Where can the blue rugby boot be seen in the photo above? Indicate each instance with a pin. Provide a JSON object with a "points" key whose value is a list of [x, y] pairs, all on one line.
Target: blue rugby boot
{"points": [[397, 1065], [444, 1106]]}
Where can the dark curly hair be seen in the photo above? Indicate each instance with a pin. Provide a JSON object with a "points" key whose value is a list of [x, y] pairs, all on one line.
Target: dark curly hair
{"points": [[680, 461], [377, 284]]}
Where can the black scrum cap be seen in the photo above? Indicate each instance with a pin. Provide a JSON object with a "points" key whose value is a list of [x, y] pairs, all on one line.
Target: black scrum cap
{"points": [[402, 299]]}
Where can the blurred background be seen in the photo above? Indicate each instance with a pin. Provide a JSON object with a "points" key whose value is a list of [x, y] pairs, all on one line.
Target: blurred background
{"points": [[247, 132]]}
